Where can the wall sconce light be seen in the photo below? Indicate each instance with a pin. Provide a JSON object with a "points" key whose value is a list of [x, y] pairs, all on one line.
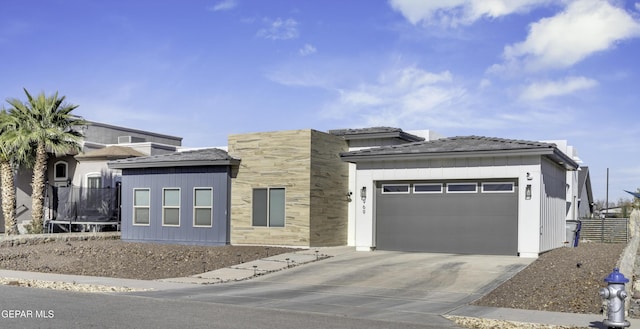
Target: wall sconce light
{"points": [[363, 193], [527, 192]]}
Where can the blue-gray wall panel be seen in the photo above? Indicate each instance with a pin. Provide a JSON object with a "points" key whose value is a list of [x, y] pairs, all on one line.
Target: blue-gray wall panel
{"points": [[185, 178]]}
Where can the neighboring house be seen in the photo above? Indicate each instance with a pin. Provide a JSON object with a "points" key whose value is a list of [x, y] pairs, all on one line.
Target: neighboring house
{"points": [[462, 195], [291, 189], [88, 170], [180, 197], [585, 195]]}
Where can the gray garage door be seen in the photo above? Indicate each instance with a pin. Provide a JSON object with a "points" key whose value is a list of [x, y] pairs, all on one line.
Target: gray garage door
{"points": [[466, 217]]}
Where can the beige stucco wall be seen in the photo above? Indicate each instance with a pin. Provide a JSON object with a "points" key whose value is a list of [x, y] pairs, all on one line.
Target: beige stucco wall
{"points": [[284, 159]]}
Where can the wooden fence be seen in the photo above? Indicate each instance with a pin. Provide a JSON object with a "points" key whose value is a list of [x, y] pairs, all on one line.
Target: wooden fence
{"points": [[610, 230]]}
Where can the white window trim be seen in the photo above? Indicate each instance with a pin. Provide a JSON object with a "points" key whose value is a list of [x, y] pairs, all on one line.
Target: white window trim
{"points": [[407, 185], [66, 171], [458, 184], [133, 219], [513, 187], [172, 207], [92, 175], [428, 192], [202, 207]]}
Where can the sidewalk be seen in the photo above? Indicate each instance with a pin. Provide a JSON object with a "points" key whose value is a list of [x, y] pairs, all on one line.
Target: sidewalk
{"points": [[539, 317], [263, 266]]}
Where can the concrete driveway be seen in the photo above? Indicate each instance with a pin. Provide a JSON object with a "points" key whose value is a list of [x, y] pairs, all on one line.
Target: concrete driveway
{"points": [[380, 285]]}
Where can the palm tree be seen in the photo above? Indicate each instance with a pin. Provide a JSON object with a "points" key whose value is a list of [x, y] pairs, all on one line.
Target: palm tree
{"points": [[6, 177], [45, 122], [12, 155]]}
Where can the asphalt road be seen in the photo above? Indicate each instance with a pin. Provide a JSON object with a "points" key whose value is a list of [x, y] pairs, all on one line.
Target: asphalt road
{"points": [[42, 308]]}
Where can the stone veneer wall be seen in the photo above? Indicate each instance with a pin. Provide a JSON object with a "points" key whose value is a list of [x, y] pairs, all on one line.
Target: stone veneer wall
{"points": [[329, 188], [271, 159], [307, 164]]}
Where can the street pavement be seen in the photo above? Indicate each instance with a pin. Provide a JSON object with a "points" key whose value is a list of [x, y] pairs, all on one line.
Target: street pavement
{"points": [[402, 288]]}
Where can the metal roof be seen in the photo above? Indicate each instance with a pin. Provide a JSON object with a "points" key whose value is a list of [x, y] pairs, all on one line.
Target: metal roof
{"points": [[201, 157]]}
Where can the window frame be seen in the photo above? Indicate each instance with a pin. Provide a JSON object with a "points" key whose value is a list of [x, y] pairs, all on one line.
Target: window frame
{"points": [[408, 186], [196, 207], [165, 207], [55, 171], [267, 211], [93, 175], [135, 207], [428, 192], [460, 184], [513, 187]]}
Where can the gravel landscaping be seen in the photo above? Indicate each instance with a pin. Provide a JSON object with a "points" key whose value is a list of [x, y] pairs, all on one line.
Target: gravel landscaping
{"points": [[129, 260], [561, 280]]}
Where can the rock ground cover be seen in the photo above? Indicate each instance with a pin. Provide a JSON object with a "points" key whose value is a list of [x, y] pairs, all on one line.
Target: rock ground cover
{"points": [[128, 260], [561, 280]]}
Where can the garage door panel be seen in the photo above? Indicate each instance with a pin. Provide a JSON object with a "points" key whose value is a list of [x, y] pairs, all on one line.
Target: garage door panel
{"points": [[483, 223]]}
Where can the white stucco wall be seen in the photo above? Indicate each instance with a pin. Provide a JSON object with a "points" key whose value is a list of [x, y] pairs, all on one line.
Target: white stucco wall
{"points": [[529, 211]]}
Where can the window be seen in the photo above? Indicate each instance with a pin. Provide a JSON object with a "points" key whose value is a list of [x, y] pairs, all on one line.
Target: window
{"points": [[141, 203], [427, 188], [171, 207], [498, 187], [462, 188], [94, 180], [202, 207], [94, 195], [60, 170], [268, 207], [395, 188]]}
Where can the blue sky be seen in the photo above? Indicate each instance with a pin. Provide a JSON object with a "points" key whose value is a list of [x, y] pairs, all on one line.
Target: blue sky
{"points": [[522, 69]]}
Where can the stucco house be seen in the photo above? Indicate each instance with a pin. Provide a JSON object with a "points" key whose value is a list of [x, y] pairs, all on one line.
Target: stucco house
{"points": [[466, 194], [85, 176], [373, 188]]}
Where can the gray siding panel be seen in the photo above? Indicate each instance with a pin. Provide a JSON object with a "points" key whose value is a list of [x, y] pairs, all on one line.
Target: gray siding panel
{"points": [[185, 178]]}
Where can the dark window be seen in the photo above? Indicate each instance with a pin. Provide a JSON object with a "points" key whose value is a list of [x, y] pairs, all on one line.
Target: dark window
{"points": [[462, 187], [497, 187], [427, 188], [268, 207], [61, 170], [395, 188]]}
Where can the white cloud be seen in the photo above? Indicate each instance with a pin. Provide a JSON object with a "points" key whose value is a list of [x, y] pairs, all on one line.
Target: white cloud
{"points": [[541, 90], [408, 95], [583, 28], [224, 5], [307, 50], [460, 12], [279, 29]]}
